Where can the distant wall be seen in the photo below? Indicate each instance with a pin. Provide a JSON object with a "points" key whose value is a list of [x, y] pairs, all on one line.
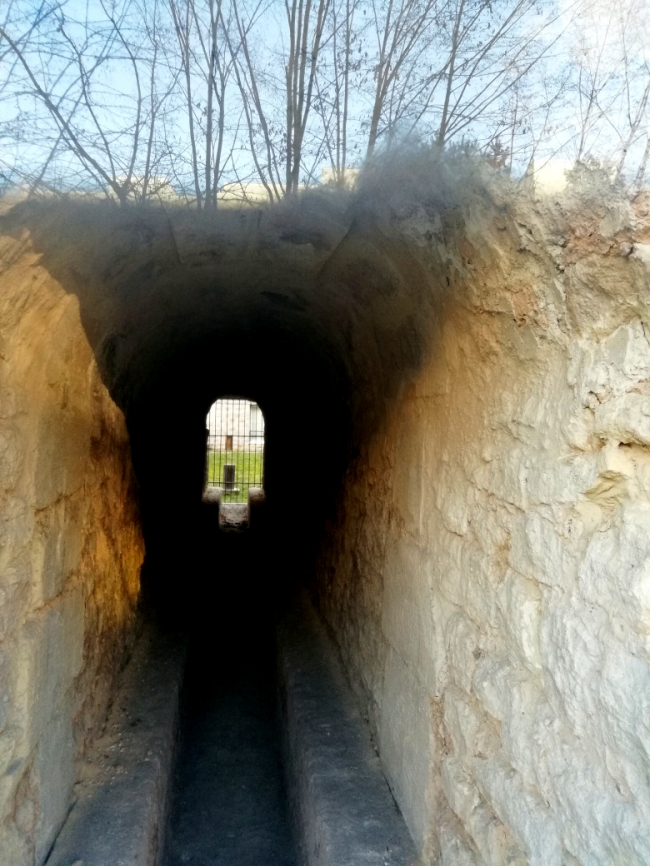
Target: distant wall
{"points": [[70, 551], [488, 575]]}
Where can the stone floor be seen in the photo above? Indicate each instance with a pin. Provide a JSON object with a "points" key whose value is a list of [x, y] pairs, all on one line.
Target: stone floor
{"points": [[229, 805]]}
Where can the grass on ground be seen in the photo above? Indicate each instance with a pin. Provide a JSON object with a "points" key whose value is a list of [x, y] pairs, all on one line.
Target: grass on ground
{"points": [[248, 471]]}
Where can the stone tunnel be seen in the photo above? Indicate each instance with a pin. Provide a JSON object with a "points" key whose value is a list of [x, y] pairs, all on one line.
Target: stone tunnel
{"points": [[463, 521]]}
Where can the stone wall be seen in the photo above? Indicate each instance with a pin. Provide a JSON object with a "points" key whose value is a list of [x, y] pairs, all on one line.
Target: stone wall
{"points": [[70, 551], [488, 575]]}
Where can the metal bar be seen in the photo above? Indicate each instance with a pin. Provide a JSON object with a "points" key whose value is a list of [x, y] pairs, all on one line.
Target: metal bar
{"points": [[235, 439]]}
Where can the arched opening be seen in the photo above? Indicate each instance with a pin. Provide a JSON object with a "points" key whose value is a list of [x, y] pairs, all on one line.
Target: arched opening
{"points": [[235, 448]]}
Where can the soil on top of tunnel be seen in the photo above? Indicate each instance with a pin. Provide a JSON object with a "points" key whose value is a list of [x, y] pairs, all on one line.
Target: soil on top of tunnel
{"points": [[229, 805]]}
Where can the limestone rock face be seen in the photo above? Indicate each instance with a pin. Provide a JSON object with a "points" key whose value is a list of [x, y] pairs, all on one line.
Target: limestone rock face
{"points": [[485, 362], [70, 551], [488, 574]]}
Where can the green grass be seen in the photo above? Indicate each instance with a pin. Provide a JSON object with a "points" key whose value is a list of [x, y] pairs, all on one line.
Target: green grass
{"points": [[247, 474]]}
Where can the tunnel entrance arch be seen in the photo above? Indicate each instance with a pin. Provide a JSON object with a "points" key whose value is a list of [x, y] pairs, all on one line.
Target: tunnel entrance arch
{"points": [[235, 430]]}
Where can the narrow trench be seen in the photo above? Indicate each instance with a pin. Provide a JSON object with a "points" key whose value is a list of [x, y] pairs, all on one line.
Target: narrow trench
{"points": [[330, 313], [229, 804], [249, 308], [229, 800]]}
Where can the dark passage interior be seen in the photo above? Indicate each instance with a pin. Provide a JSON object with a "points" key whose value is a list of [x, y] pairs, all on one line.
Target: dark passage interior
{"points": [[306, 432], [312, 309], [295, 336], [229, 805]]}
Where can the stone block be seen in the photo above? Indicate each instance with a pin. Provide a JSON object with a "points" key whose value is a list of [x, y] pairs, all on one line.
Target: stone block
{"points": [[407, 617], [11, 456], [16, 849], [470, 729], [344, 812], [461, 638], [16, 527], [409, 481], [460, 788], [520, 602], [407, 746], [50, 657], [121, 805], [54, 773], [55, 550], [529, 818], [543, 549], [455, 847], [62, 454], [491, 837]]}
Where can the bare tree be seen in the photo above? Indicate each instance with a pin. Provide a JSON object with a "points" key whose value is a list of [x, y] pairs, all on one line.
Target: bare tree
{"points": [[67, 131], [137, 99], [404, 31], [492, 50], [305, 25], [643, 163], [609, 86], [150, 13], [339, 72], [635, 63], [305, 28], [248, 76], [182, 18], [90, 120]]}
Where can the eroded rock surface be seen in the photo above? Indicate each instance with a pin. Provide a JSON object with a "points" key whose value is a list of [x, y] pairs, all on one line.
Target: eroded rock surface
{"points": [[487, 577], [70, 556]]}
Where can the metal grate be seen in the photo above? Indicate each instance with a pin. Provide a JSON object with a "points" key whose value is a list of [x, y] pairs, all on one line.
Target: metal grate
{"points": [[235, 448]]}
